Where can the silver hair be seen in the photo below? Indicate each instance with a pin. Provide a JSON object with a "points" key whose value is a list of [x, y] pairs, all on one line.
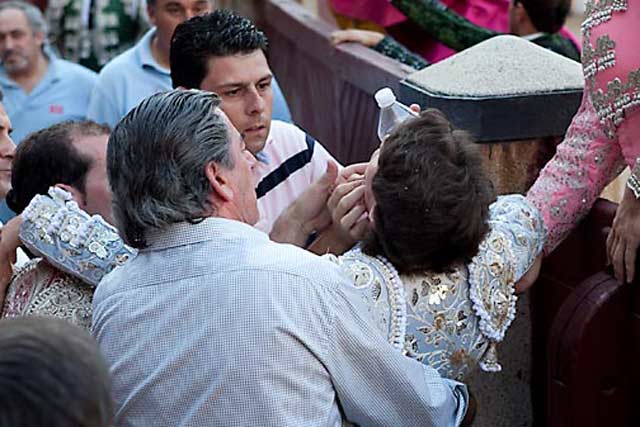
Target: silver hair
{"points": [[156, 161], [34, 17]]}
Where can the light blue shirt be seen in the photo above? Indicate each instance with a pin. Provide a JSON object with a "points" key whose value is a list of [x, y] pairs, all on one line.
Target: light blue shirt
{"points": [[62, 94], [134, 75], [215, 325]]}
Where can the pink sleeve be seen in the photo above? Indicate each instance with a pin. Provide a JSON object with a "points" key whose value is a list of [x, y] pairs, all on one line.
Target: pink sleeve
{"points": [[585, 162]]}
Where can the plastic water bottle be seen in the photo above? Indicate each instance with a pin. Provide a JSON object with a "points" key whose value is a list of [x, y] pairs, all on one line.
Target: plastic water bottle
{"points": [[392, 112]]}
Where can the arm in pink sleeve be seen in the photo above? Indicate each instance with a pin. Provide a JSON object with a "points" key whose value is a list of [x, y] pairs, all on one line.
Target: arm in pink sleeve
{"points": [[585, 162]]}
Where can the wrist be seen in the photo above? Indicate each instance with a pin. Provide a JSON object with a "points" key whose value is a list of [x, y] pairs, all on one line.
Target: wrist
{"points": [[633, 183], [289, 229]]}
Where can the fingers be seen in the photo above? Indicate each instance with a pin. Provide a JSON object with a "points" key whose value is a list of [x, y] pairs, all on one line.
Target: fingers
{"points": [[339, 36], [348, 172], [354, 215], [617, 259], [364, 37], [415, 108], [328, 179], [610, 243], [348, 202], [630, 259], [340, 192]]}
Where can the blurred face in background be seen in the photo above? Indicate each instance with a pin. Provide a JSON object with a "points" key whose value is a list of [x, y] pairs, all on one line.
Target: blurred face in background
{"points": [[20, 46], [166, 15]]}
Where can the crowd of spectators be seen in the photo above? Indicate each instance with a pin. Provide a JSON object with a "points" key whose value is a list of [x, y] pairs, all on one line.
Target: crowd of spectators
{"points": [[208, 262]]}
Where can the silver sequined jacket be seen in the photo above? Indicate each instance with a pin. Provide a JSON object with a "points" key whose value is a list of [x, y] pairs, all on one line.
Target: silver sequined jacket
{"points": [[453, 321]]}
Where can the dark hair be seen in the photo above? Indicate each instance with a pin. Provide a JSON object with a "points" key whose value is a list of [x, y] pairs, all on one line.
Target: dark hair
{"points": [[216, 34], [156, 161], [548, 16], [48, 157], [432, 197], [51, 374]]}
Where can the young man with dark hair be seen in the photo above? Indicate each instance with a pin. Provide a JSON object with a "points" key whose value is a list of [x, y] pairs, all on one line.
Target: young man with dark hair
{"points": [[145, 69], [224, 53], [71, 157], [51, 374]]}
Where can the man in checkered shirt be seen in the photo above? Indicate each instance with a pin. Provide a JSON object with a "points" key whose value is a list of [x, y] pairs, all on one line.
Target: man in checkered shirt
{"points": [[213, 324]]}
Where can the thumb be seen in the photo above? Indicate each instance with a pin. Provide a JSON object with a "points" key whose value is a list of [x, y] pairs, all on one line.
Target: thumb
{"points": [[331, 174]]}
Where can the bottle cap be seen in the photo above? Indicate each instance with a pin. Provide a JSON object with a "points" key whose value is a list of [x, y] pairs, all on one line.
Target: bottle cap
{"points": [[385, 97]]}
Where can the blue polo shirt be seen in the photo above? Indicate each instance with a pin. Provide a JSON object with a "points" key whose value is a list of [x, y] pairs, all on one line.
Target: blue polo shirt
{"points": [[62, 94], [134, 75]]}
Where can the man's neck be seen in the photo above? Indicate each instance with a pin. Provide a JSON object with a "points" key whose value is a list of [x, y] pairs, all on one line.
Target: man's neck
{"points": [[161, 56], [526, 29], [29, 79]]}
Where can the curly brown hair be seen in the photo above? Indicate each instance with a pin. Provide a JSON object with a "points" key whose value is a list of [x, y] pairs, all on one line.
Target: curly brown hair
{"points": [[432, 197]]}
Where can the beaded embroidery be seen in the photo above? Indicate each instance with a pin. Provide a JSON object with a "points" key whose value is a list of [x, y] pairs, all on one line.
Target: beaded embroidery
{"points": [[619, 98], [85, 246], [453, 321], [38, 289]]}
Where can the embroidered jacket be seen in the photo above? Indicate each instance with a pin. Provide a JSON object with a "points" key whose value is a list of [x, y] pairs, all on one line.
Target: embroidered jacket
{"points": [[603, 136], [453, 321]]}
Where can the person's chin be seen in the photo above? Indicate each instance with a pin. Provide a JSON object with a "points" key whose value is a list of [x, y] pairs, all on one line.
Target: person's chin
{"points": [[254, 144], [4, 190]]}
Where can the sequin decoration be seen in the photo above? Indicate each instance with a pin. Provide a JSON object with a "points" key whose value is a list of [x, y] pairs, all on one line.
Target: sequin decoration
{"points": [[84, 246], [453, 321], [39, 289]]}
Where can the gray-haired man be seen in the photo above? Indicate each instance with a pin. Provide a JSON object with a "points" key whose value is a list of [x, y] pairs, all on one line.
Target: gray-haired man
{"points": [[215, 325]]}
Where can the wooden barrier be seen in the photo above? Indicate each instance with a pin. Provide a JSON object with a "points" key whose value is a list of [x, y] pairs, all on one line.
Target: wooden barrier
{"points": [[329, 90], [586, 334]]}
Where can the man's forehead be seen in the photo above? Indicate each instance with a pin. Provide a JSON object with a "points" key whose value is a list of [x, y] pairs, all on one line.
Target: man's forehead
{"points": [[238, 70], [13, 19]]}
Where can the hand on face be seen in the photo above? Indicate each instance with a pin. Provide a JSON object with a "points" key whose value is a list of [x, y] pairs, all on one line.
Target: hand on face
{"points": [[308, 212], [347, 202]]}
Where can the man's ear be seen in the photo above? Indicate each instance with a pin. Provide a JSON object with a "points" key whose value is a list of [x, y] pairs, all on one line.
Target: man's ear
{"points": [[77, 196], [40, 37], [219, 182]]}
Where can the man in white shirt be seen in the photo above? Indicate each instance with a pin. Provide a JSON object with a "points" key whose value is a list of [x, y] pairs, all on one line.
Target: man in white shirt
{"points": [[225, 53]]}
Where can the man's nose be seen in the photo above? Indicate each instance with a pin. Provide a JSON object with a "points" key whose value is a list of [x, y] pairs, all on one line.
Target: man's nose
{"points": [[256, 104], [7, 147]]}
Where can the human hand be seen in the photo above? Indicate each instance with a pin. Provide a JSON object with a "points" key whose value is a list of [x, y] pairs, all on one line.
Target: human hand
{"points": [[348, 210], [352, 173], [530, 276], [9, 242], [624, 238], [308, 212], [364, 37]]}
